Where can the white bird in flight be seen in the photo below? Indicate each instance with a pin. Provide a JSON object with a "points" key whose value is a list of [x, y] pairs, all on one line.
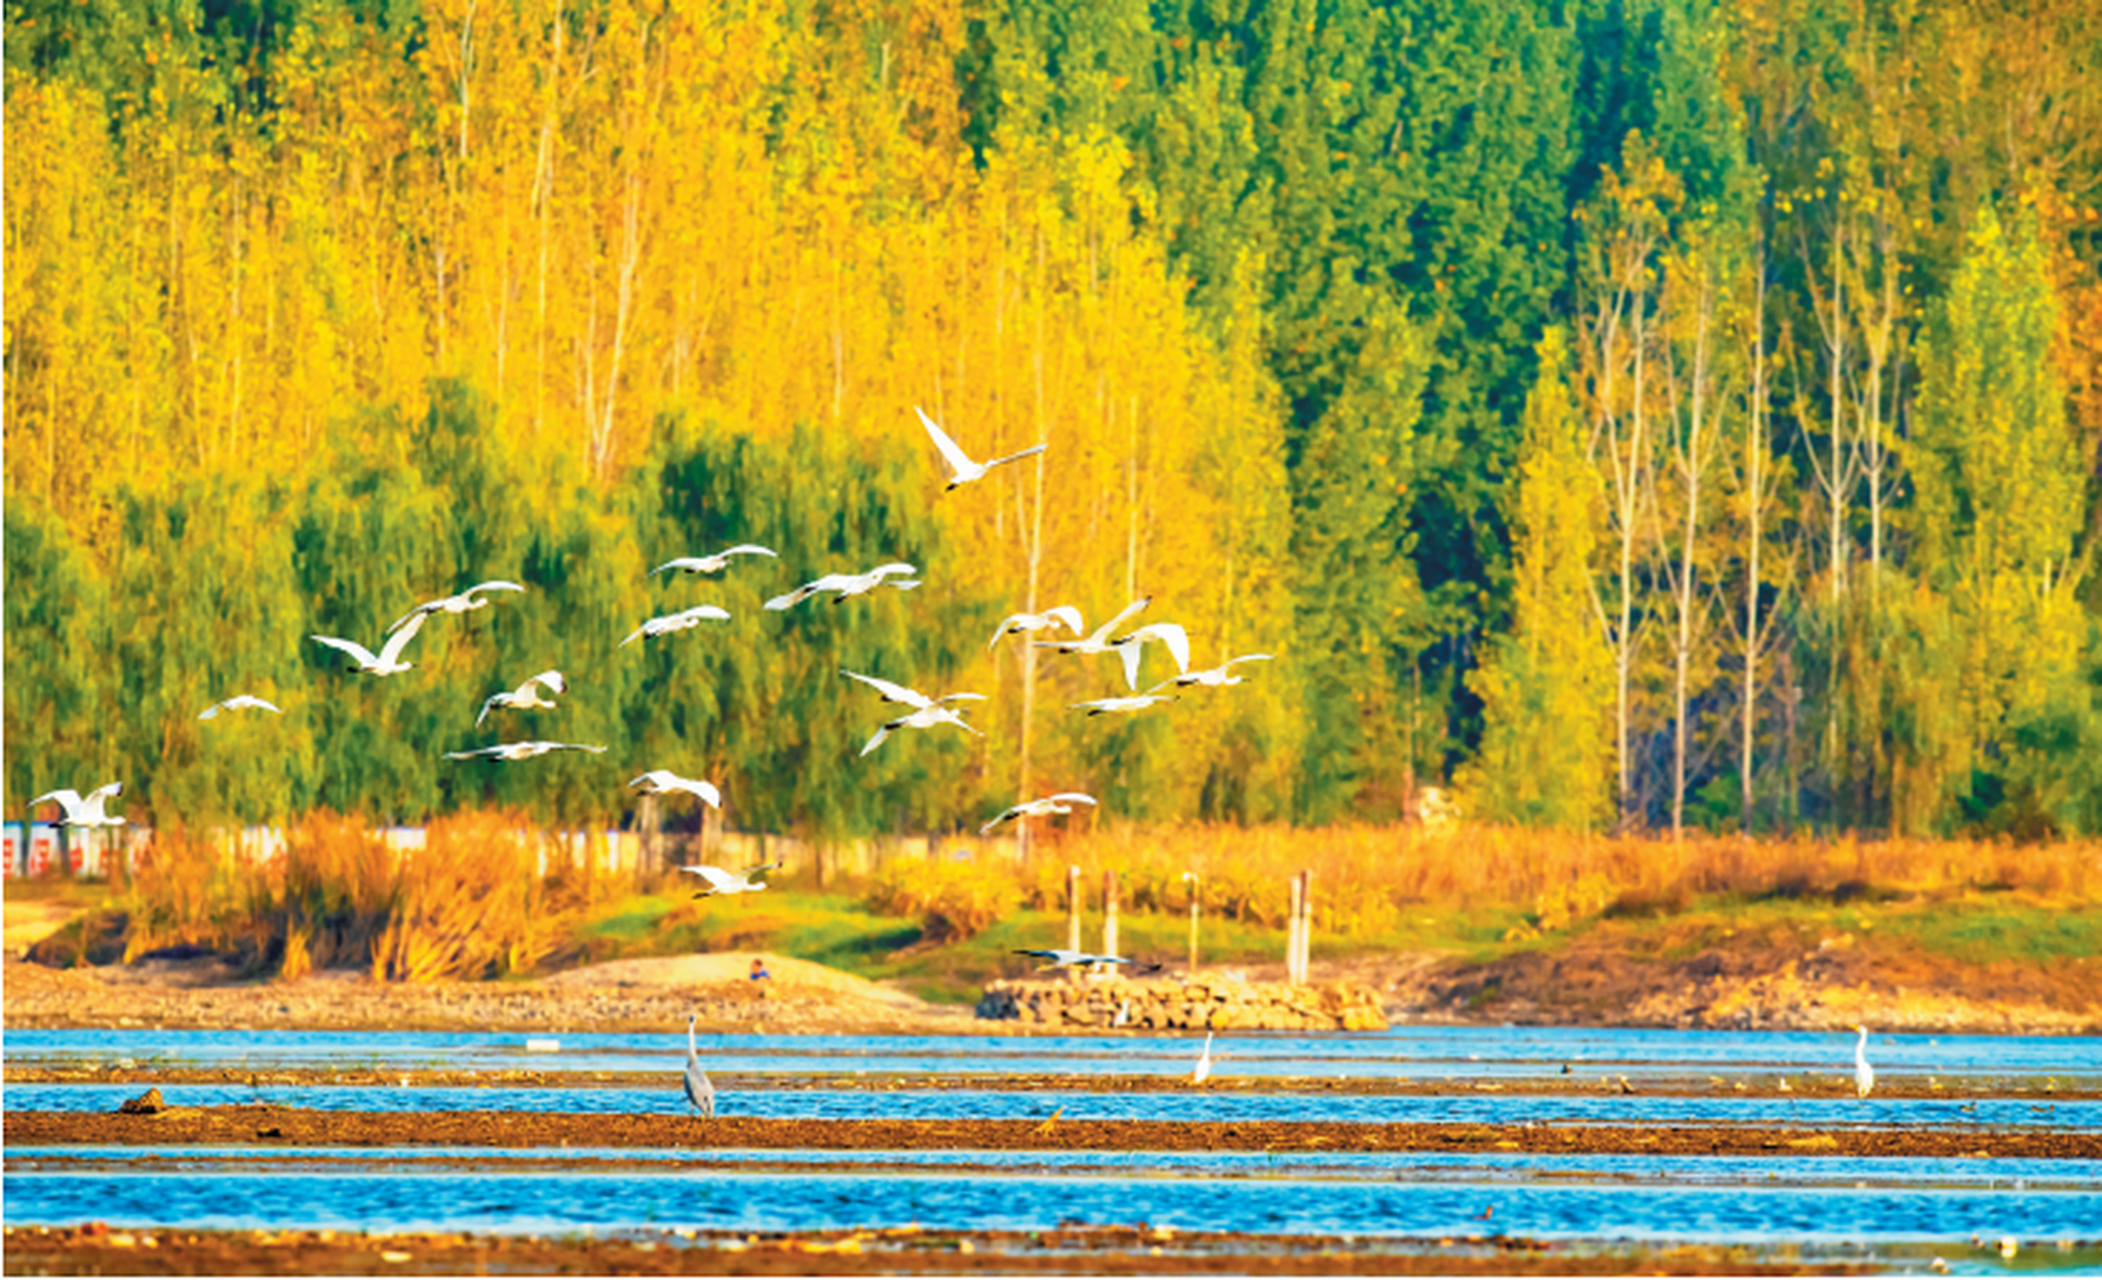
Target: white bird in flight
{"points": [[721, 881], [712, 564], [924, 718], [460, 603], [1864, 1074], [1139, 702], [235, 703], [1015, 623], [84, 812], [1059, 956], [956, 462], [905, 697], [660, 781], [522, 750], [1063, 802], [526, 696], [387, 661], [1099, 641], [1219, 676], [847, 585], [1130, 647], [679, 621]]}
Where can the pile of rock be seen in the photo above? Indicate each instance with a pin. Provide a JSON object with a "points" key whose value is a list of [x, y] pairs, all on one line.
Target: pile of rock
{"points": [[1178, 1004]]}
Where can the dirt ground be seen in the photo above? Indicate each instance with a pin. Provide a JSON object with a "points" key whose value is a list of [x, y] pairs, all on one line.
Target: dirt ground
{"points": [[619, 996], [248, 1125], [96, 1249]]}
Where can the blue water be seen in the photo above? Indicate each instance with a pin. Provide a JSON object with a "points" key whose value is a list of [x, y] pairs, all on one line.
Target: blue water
{"points": [[714, 1199], [1918, 1173], [951, 1104], [1419, 1053]]}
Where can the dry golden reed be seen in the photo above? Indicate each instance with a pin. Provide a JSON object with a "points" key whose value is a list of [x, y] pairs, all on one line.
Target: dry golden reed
{"points": [[1364, 877]]}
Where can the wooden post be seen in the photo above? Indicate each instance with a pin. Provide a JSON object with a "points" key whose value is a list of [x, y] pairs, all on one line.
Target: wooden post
{"points": [[1072, 908], [1306, 925], [1193, 927], [1292, 936], [1109, 913]]}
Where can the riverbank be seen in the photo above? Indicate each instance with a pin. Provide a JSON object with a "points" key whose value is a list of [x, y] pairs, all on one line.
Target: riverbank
{"points": [[97, 1249]]}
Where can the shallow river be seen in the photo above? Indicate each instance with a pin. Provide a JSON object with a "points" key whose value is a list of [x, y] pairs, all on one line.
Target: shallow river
{"points": [[1779, 1202]]}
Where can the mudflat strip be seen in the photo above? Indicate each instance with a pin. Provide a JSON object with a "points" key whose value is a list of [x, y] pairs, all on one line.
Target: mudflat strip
{"points": [[249, 1125], [95, 1249]]}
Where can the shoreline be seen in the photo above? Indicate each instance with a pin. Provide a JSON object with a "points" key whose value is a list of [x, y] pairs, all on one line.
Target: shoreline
{"points": [[98, 1249]]}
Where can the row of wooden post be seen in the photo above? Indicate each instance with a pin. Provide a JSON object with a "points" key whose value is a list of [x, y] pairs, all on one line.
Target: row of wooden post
{"points": [[1297, 934]]}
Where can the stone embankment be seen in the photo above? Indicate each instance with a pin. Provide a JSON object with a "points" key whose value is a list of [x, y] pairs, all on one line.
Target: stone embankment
{"points": [[1182, 1004]]}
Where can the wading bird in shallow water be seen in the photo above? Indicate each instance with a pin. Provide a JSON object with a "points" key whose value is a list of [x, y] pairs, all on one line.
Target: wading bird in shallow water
{"points": [[455, 604], [1098, 642], [1057, 615], [660, 781], [236, 703], [1864, 1074], [847, 585], [1059, 957], [721, 881], [1204, 1062], [924, 718], [700, 1094], [387, 661], [526, 696], [1063, 802], [956, 462], [679, 621], [84, 811], [711, 564], [522, 750]]}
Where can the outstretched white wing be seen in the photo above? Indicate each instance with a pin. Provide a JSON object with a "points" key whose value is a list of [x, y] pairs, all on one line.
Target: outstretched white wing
{"points": [[1103, 632], [1072, 797], [691, 564], [68, 799], [1017, 456], [897, 693], [365, 657], [745, 549], [954, 460], [718, 879], [876, 741], [552, 681], [390, 653], [495, 584]]}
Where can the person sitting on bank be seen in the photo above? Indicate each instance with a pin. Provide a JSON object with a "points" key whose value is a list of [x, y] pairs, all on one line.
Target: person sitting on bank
{"points": [[759, 969]]}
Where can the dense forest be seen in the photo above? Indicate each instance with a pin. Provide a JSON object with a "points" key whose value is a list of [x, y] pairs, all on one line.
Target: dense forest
{"points": [[1634, 414]]}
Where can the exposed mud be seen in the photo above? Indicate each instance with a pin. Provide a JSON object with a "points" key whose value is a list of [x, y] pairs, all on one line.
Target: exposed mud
{"points": [[96, 1249], [2041, 1091], [246, 1126]]}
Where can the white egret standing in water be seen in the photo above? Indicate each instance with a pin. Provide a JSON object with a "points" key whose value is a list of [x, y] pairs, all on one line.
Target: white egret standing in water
{"points": [[1204, 1062], [1864, 1074]]}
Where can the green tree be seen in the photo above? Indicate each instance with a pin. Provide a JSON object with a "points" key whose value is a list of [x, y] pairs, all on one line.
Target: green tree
{"points": [[1547, 688], [1999, 502]]}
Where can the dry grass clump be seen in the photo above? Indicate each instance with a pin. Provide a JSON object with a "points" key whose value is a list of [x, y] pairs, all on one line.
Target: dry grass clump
{"points": [[952, 900], [470, 903]]}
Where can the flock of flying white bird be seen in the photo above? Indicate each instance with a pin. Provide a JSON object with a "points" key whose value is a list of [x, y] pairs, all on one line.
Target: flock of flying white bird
{"points": [[923, 712], [926, 712]]}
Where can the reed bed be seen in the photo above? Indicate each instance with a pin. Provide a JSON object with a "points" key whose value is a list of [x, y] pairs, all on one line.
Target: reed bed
{"points": [[1365, 878], [473, 902], [470, 903]]}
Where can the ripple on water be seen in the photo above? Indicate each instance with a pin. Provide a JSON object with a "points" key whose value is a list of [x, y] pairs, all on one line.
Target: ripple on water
{"points": [[949, 1104], [1422, 1053], [714, 1199]]}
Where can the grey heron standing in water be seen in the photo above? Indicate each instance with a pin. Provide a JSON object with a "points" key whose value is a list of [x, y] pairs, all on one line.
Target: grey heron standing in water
{"points": [[699, 1092]]}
